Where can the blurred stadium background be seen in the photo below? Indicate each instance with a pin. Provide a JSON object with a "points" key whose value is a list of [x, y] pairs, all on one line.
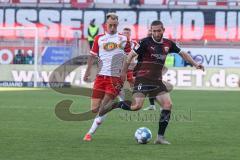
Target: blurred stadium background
{"points": [[37, 36]]}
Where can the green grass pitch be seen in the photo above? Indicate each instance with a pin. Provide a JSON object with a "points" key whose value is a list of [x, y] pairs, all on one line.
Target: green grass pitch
{"points": [[204, 126]]}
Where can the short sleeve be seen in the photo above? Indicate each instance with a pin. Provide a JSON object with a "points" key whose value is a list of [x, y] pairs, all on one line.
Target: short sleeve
{"points": [[95, 48], [139, 47], [174, 48]]}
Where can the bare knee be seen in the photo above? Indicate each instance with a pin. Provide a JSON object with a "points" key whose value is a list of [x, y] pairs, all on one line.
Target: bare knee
{"points": [[95, 109], [136, 107], [95, 105], [167, 105]]}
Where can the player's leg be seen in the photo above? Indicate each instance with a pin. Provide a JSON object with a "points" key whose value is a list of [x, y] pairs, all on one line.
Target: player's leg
{"points": [[140, 88], [95, 105], [166, 103], [138, 100], [97, 94], [112, 88], [135, 104], [99, 119], [96, 100], [152, 104], [168, 85], [121, 95], [130, 105]]}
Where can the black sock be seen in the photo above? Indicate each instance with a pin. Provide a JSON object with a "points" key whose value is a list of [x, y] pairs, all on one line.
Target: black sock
{"points": [[151, 101], [125, 105], [163, 122]]}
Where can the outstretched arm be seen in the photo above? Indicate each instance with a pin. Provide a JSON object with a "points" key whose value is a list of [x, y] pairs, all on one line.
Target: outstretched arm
{"points": [[189, 59]]}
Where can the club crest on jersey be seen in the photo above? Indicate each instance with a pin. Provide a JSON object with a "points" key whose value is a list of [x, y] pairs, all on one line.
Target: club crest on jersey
{"points": [[110, 46], [166, 49]]}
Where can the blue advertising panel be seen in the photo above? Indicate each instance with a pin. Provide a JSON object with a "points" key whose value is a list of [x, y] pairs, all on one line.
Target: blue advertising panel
{"points": [[56, 55]]}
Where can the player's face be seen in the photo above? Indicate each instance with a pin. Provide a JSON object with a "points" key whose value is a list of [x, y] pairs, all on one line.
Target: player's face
{"points": [[112, 26], [157, 32], [127, 33]]}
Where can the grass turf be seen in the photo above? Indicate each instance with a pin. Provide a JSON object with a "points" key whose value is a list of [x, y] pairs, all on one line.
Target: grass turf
{"points": [[204, 126]]}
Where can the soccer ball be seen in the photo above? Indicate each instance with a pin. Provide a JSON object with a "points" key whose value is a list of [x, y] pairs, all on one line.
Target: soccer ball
{"points": [[143, 135]]}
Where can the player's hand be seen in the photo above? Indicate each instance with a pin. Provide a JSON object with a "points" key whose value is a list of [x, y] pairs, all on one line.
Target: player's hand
{"points": [[86, 76], [200, 66]]}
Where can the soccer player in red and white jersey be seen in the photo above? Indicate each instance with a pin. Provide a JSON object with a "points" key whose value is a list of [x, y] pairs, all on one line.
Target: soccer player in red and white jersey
{"points": [[130, 78], [110, 49]]}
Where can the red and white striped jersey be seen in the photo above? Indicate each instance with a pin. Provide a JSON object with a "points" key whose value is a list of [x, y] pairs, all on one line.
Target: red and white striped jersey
{"points": [[111, 50]]}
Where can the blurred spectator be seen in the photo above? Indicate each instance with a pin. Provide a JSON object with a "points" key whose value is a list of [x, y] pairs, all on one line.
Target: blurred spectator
{"points": [[19, 58], [92, 32], [29, 57], [134, 3]]}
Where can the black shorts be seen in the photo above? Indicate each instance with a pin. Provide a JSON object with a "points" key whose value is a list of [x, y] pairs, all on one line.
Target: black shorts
{"points": [[148, 87]]}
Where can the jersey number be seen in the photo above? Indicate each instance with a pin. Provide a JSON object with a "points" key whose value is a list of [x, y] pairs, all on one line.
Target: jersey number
{"points": [[139, 86]]}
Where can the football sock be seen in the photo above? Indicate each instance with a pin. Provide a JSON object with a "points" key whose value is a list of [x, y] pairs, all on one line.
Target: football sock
{"points": [[163, 122], [125, 105], [121, 95], [151, 101], [96, 123]]}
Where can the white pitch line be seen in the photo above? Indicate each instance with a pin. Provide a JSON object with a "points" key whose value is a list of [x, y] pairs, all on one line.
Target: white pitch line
{"points": [[18, 89]]}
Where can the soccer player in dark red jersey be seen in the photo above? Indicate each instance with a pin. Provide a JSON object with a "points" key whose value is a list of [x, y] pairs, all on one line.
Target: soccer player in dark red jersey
{"points": [[152, 52]]}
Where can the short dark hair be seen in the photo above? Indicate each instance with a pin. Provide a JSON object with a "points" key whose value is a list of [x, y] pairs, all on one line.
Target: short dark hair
{"points": [[126, 29], [157, 22], [112, 15]]}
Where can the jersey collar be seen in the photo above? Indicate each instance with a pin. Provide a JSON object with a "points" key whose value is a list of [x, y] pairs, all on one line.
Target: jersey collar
{"points": [[161, 42]]}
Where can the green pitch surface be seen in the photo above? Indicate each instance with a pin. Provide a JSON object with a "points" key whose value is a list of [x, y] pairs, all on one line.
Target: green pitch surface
{"points": [[204, 126]]}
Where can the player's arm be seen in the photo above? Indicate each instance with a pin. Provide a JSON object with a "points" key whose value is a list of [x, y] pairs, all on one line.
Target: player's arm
{"points": [[90, 62], [185, 56], [189, 59], [91, 58], [126, 63], [136, 51]]}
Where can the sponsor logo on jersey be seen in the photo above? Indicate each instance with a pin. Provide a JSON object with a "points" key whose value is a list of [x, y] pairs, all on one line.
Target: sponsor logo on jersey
{"points": [[153, 48], [110, 46], [159, 56]]}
